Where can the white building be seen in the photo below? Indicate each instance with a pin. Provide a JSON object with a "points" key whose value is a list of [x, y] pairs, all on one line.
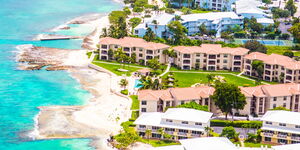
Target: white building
{"points": [[287, 147], [250, 8], [159, 28], [213, 21], [221, 5], [208, 143], [181, 123], [281, 127]]}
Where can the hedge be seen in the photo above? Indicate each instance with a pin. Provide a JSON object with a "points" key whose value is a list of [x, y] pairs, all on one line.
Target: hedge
{"points": [[238, 124]]}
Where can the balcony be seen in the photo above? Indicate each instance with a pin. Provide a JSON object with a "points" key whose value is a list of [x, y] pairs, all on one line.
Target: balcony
{"points": [[237, 57], [268, 134], [149, 52], [237, 63], [281, 135], [268, 66], [295, 138], [104, 52], [142, 129], [289, 72], [186, 62], [211, 62], [195, 135], [182, 133], [170, 132], [212, 57], [186, 56], [126, 49]]}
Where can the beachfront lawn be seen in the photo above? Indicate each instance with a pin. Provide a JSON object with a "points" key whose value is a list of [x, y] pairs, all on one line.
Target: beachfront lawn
{"points": [[189, 79], [158, 143], [114, 67], [195, 11], [280, 50]]}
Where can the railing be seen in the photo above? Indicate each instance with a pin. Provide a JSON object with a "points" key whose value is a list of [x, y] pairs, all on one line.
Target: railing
{"points": [[182, 133], [281, 135], [169, 132], [141, 129], [295, 138], [268, 134], [104, 52], [195, 135]]}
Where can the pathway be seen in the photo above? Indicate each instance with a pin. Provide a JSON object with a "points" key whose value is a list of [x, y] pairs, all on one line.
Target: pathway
{"points": [[166, 71], [118, 64]]}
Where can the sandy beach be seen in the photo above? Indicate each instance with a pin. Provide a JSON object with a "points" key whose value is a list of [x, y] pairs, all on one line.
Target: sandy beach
{"points": [[102, 115]]}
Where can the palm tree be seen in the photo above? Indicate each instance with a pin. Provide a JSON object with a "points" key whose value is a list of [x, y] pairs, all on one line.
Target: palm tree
{"points": [[210, 78], [166, 53], [208, 130], [123, 83], [156, 84], [161, 131], [155, 27], [110, 54], [148, 133]]}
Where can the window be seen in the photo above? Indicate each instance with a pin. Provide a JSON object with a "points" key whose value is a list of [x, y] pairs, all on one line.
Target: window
{"points": [[282, 124], [196, 132], [116, 46], [182, 102], [198, 55], [297, 126], [198, 124], [144, 110], [104, 46], [155, 128], [140, 55], [144, 102], [267, 139], [142, 126], [275, 99], [141, 50], [284, 104], [274, 105], [224, 61], [284, 98], [197, 60], [268, 122], [168, 120], [184, 122]]}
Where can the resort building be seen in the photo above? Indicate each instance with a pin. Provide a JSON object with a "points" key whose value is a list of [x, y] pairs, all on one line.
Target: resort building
{"points": [[250, 9], [281, 127], [262, 98], [218, 21], [208, 143], [159, 100], [210, 57], [181, 123], [276, 67], [143, 50], [259, 99], [157, 23], [221, 5], [287, 147]]}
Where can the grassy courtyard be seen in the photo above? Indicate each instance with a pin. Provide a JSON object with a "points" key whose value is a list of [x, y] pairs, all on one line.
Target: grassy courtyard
{"points": [[188, 79], [280, 50]]}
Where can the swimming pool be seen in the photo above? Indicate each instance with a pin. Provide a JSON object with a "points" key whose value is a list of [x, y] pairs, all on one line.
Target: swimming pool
{"points": [[269, 42], [137, 84]]}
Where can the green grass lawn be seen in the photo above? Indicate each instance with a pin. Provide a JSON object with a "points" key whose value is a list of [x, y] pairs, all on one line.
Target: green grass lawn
{"points": [[256, 144], [114, 68], [89, 54], [193, 70], [158, 143], [188, 79], [200, 11], [135, 102], [280, 50]]}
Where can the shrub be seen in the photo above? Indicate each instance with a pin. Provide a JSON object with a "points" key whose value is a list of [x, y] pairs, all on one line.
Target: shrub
{"points": [[170, 11], [147, 16], [239, 124], [230, 133], [284, 36], [124, 92], [241, 34]]}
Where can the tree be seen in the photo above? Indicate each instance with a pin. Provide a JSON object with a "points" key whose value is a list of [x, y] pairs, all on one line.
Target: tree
{"points": [[255, 46], [179, 32], [161, 131], [289, 54], [149, 35], [110, 54], [154, 64], [127, 11], [133, 58], [258, 67], [193, 105], [229, 132], [118, 27], [208, 130], [104, 33], [202, 29], [148, 133], [123, 83], [135, 21], [295, 31], [210, 78], [227, 36], [228, 97], [290, 5], [155, 25]]}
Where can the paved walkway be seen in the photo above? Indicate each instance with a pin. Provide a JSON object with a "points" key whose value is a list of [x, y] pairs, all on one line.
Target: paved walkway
{"points": [[166, 71]]}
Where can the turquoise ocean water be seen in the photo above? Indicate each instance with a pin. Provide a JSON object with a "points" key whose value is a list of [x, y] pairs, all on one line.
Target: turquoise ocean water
{"points": [[21, 92]]}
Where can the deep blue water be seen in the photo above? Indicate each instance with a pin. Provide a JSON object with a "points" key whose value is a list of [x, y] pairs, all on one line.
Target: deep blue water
{"points": [[21, 92]]}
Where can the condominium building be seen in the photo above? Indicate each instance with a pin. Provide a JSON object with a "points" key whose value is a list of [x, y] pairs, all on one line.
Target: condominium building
{"points": [[218, 21], [287, 147], [259, 99], [159, 100], [208, 143], [210, 57], [281, 127], [276, 67], [262, 98], [181, 123], [221, 5], [143, 50]]}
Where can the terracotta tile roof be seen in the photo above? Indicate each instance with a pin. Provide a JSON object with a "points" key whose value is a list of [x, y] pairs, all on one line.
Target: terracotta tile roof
{"points": [[133, 42], [286, 89], [211, 49], [274, 59], [176, 93]]}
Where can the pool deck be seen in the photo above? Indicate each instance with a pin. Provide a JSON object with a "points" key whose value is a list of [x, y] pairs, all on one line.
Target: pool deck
{"points": [[285, 42]]}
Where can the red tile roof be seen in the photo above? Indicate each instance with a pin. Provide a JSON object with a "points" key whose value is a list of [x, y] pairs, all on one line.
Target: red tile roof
{"points": [[133, 42], [211, 49]]}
